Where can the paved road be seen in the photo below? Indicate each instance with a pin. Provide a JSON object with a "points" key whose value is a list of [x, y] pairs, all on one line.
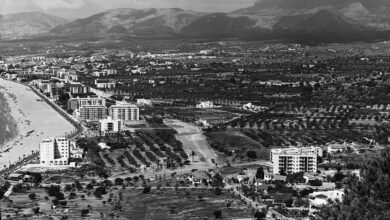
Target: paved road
{"points": [[18, 165]]}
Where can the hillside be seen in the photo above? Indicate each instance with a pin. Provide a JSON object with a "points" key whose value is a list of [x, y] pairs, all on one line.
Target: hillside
{"points": [[131, 22], [27, 24], [297, 20]]}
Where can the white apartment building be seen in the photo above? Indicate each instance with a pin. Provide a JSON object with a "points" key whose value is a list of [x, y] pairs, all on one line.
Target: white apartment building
{"points": [[124, 111], [110, 126], [54, 151], [76, 103], [295, 160]]}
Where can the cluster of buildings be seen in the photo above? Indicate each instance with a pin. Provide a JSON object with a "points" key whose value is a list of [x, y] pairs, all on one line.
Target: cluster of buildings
{"points": [[111, 118]]}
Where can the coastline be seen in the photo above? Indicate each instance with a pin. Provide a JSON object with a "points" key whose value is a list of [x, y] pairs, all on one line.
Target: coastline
{"points": [[10, 131], [35, 120]]}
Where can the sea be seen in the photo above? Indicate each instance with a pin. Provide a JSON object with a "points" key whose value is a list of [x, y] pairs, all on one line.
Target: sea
{"points": [[8, 126]]}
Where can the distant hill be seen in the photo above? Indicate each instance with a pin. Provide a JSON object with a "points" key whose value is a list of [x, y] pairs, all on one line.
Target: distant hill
{"points": [[27, 24], [298, 20], [147, 22]]}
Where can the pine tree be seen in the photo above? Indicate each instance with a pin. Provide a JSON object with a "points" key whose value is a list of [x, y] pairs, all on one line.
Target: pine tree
{"points": [[368, 198]]}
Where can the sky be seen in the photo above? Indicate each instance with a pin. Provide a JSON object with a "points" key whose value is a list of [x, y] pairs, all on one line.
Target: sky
{"points": [[72, 9]]}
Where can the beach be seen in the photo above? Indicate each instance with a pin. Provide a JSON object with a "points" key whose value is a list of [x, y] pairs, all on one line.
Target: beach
{"points": [[35, 121]]}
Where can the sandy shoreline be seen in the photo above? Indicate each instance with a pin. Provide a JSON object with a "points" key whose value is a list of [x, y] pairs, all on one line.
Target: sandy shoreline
{"points": [[35, 120]]}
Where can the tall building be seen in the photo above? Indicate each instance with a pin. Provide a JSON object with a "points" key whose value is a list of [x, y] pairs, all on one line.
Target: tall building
{"points": [[92, 112], [76, 103], [110, 126], [295, 160], [54, 151], [124, 111]]}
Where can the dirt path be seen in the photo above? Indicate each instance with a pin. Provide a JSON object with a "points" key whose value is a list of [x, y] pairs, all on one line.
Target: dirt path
{"points": [[193, 140]]}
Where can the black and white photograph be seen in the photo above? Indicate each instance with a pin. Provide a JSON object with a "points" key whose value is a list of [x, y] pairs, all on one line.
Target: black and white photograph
{"points": [[195, 109]]}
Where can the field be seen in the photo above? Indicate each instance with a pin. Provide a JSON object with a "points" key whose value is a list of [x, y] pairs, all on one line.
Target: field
{"points": [[146, 148], [125, 203]]}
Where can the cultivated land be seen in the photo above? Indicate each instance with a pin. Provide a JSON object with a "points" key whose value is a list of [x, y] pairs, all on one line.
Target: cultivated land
{"points": [[176, 161]]}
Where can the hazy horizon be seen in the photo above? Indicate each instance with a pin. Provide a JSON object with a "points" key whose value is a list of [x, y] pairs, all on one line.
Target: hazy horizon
{"points": [[72, 9]]}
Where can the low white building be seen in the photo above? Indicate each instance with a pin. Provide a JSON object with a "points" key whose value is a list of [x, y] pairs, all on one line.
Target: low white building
{"points": [[252, 107], [144, 102], [110, 126], [207, 104]]}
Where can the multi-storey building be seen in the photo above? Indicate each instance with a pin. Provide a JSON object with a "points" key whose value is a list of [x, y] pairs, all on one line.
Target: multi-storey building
{"points": [[54, 151], [124, 111], [110, 126], [295, 160], [76, 103], [92, 112], [78, 88]]}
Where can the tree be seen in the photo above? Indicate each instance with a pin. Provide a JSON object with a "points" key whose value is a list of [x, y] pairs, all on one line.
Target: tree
{"points": [[218, 191], [72, 195], [338, 177], [84, 212], [365, 198], [32, 196], [68, 187], [260, 173], [107, 183], [53, 190], [118, 181], [35, 210], [193, 155], [251, 154], [63, 99], [218, 213], [315, 182], [63, 203], [146, 189], [260, 215], [100, 191], [89, 186]]}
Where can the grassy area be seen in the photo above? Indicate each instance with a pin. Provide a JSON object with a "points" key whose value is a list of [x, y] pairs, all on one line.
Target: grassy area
{"points": [[228, 142]]}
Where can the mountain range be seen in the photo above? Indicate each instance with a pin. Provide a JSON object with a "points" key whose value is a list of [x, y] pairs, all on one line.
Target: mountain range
{"points": [[312, 20]]}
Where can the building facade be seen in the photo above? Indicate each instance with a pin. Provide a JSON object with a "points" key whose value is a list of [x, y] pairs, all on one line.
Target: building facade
{"points": [[124, 111], [295, 160], [76, 103], [92, 113], [54, 152], [110, 126]]}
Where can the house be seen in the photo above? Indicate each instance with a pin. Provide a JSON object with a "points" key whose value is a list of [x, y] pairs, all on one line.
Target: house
{"points": [[267, 176], [104, 146]]}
